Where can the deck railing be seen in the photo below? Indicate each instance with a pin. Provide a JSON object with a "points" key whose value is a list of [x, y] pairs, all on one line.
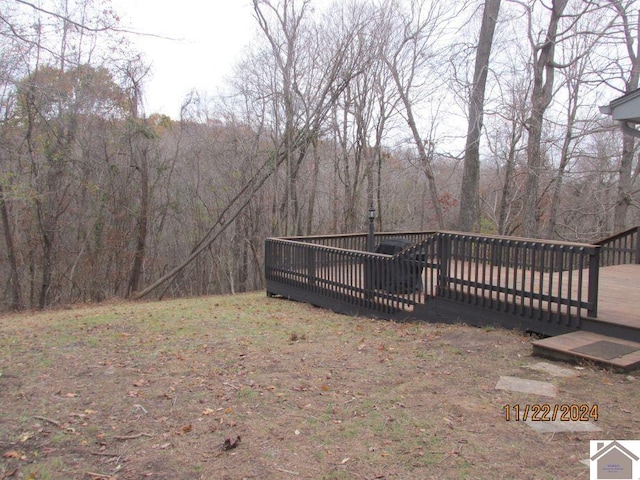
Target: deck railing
{"points": [[544, 281], [318, 267], [620, 249], [358, 241]]}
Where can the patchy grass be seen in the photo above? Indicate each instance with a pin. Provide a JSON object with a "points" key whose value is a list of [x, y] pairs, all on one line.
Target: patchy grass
{"points": [[153, 390]]}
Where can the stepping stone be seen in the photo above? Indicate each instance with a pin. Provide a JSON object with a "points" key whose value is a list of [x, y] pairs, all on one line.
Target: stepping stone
{"points": [[552, 369], [534, 387], [560, 426]]}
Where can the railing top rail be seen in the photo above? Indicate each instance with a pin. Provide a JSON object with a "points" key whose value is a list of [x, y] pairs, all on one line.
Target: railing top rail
{"points": [[445, 232], [538, 241], [449, 232], [354, 235], [326, 247], [522, 239], [618, 235]]}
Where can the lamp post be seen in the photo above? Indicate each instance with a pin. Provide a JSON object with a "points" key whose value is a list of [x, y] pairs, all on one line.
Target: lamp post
{"points": [[371, 242], [371, 246]]}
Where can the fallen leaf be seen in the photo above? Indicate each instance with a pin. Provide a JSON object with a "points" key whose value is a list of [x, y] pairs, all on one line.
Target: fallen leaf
{"points": [[207, 411], [345, 460], [187, 428], [12, 454], [70, 395]]}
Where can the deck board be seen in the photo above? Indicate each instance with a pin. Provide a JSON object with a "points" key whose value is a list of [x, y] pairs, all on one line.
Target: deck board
{"points": [[619, 295]]}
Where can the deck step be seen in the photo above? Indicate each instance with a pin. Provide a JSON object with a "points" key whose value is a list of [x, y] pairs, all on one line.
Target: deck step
{"points": [[619, 354]]}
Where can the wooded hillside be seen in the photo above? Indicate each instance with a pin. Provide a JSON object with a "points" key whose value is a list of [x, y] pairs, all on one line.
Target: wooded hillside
{"points": [[479, 116]]}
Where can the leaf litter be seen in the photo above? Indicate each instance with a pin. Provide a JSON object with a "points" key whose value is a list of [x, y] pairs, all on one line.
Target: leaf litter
{"points": [[249, 387]]}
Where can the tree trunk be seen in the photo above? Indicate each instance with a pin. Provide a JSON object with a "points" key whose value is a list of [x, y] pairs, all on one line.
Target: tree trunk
{"points": [[573, 94], [624, 197], [314, 187], [543, 74], [143, 220], [14, 279], [469, 219], [557, 188], [505, 198]]}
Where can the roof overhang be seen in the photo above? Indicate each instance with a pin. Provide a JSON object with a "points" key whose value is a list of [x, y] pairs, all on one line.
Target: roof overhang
{"points": [[625, 110]]}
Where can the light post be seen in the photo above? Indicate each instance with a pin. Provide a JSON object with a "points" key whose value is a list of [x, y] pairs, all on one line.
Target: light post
{"points": [[371, 246], [371, 242]]}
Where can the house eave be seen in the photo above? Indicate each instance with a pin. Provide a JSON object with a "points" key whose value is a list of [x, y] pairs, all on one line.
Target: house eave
{"points": [[625, 108]]}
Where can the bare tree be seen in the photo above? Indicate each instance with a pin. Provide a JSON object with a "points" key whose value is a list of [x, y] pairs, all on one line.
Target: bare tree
{"points": [[576, 87], [325, 84], [413, 33], [138, 138], [543, 51], [505, 142], [625, 197], [469, 219]]}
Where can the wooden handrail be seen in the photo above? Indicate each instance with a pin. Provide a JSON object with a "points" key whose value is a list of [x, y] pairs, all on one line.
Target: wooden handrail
{"points": [[621, 248], [618, 235]]}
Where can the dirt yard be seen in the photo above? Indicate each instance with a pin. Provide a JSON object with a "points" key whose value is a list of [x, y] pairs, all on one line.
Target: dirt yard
{"points": [[247, 387]]}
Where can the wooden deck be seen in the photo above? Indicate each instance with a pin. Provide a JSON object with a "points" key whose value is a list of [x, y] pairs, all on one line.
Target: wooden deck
{"points": [[562, 290], [616, 328], [619, 295]]}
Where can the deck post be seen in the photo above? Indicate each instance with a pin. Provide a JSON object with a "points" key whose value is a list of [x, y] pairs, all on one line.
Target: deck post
{"points": [[594, 275], [444, 252], [311, 264], [638, 245]]}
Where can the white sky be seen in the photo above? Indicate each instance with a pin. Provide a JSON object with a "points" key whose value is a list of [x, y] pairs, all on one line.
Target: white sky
{"points": [[211, 34]]}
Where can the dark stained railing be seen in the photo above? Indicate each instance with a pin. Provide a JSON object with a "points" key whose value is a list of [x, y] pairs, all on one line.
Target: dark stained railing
{"points": [[620, 249], [546, 281], [358, 241], [550, 282], [337, 273]]}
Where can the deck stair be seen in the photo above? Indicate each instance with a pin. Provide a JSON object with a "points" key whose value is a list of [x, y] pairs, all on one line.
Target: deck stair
{"points": [[612, 340], [615, 353]]}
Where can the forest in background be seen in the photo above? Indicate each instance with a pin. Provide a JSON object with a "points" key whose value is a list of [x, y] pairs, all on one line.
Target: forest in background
{"points": [[473, 115]]}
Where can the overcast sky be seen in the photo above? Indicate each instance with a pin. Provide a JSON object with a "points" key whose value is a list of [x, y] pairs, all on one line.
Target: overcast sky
{"points": [[209, 37]]}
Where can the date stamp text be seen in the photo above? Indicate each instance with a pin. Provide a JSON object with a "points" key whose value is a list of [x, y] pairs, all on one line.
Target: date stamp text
{"points": [[545, 412]]}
